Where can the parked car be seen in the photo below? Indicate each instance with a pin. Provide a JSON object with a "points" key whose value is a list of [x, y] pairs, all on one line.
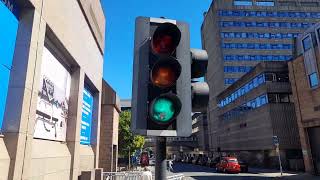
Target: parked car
{"points": [[194, 160], [243, 166], [204, 161], [228, 165], [213, 162]]}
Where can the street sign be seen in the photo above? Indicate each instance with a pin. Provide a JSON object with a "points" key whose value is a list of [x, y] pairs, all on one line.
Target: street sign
{"points": [[275, 140]]}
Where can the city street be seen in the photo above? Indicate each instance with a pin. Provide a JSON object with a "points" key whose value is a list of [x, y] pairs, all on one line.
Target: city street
{"points": [[195, 172]]}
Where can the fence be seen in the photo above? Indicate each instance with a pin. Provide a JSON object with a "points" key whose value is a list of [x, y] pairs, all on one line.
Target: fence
{"points": [[134, 175], [176, 177], [122, 175]]}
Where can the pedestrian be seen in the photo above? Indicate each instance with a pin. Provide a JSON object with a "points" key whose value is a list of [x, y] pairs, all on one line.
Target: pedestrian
{"points": [[146, 174], [170, 163]]}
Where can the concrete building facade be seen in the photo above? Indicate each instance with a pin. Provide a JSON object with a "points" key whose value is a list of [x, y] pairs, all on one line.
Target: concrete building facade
{"points": [[110, 112], [238, 34], [51, 123], [304, 77], [253, 110]]}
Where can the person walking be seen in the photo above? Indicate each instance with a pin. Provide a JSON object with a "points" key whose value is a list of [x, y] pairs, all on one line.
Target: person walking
{"points": [[170, 168], [146, 174]]}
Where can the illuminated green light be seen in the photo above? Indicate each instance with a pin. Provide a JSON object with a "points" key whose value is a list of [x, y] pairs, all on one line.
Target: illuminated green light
{"points": [[162, 110]]}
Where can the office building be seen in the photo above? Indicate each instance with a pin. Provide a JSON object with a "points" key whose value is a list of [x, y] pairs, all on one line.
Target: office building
{"points": [[253, 110], [238, 34], [304, 77], [51, 84], [125, 104]]}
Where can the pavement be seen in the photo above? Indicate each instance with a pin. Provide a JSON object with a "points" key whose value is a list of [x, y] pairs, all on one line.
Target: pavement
{"points": [[196, 172]]}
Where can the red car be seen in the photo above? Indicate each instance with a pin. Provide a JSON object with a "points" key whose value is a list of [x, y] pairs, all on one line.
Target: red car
{"points": [[228, 164]]}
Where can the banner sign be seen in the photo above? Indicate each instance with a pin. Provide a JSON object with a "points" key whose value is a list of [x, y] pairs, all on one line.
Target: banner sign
{"points": [[53, 99], [87, 107], [12, 6]]}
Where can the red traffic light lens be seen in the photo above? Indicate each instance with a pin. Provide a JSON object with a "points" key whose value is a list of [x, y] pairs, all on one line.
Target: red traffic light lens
{"points": [[165, 73], [165, 39]]}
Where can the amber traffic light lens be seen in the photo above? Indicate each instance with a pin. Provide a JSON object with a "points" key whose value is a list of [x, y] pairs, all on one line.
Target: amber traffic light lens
{"points": [[165, 39], [165, 73]]}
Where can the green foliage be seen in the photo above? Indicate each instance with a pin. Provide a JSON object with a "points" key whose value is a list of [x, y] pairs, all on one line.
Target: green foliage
{"points": [[127, 140]]}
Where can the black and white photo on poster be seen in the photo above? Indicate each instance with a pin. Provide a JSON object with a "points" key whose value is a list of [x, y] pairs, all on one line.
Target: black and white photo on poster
{"points": [[53, 99]]}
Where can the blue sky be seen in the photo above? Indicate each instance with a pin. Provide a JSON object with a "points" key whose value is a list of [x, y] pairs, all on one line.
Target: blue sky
{"points": [[120, 17]]}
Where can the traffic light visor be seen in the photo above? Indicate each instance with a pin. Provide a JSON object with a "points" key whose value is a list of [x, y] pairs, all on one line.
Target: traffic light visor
{"points": [[165, 39], [165, 73], [165, 108]]}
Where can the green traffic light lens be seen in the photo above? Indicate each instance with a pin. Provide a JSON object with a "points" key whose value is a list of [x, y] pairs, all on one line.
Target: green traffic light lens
{"points": [[163, 110]]}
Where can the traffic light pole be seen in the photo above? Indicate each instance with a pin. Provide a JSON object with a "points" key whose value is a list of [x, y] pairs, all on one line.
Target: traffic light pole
{"points": [[161, 164]]}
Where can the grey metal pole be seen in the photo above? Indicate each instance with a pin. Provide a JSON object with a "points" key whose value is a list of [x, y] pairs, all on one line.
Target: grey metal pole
{"points": [[278, 150], [161, 164]]}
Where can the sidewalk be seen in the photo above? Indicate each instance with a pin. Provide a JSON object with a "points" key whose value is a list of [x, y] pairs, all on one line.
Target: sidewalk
{"points": [[274, 173]]}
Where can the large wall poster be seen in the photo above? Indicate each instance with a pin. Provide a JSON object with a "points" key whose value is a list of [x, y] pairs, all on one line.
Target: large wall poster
{"points": [[86, 121], [53, 99]]}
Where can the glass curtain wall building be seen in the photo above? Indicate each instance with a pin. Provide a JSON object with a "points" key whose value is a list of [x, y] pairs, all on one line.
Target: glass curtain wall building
{"points": [[242, 33]]}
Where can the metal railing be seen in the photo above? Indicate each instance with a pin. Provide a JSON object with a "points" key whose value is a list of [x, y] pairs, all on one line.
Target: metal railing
{"points": [[122, 175], [176, 177], [134, 175]]}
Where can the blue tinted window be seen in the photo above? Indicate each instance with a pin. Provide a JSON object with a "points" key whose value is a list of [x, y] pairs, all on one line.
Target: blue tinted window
{"points": [[242, 3], [307, 43], [313, 80], [255, 46], [258, 35], [252, 104], [237, 69], [257, 57], [255, 82], [269, 13], [264, 24]]}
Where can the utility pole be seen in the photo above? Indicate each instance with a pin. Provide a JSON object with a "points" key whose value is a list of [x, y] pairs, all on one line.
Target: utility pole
{"points": [[278, 152], [161, 164], [276, 143]]}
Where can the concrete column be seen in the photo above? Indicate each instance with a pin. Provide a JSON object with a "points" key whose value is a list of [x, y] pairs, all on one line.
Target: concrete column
{"points": [[22, 94], [95, 129], [74, 121]]}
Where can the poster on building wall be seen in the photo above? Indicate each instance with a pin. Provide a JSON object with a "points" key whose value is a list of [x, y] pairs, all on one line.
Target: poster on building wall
{"points": [[87, 107], [53, 99]]}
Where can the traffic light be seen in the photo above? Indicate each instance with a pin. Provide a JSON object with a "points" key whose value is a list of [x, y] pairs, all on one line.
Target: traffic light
{"points": [[199, 90], [161, 95]]}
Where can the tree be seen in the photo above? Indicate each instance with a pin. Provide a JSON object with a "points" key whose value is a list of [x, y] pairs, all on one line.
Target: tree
{"points": [[127, 140]]}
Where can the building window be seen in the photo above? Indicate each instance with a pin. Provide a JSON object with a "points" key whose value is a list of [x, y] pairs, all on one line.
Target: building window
{"points": [[306, 42], [313, 80], [242, 3], [309, 4], [265, 3], [265, 24], [282, 78], [253, 83], [284, 98], [271, 13], [272, 98], [289, 3], [318, 33]]}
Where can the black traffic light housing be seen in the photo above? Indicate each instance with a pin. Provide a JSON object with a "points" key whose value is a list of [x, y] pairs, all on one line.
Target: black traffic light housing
{"points": [[161, 98]]}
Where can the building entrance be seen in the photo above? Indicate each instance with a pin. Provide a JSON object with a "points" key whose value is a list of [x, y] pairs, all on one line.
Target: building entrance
{"points": [[314, 134]]}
